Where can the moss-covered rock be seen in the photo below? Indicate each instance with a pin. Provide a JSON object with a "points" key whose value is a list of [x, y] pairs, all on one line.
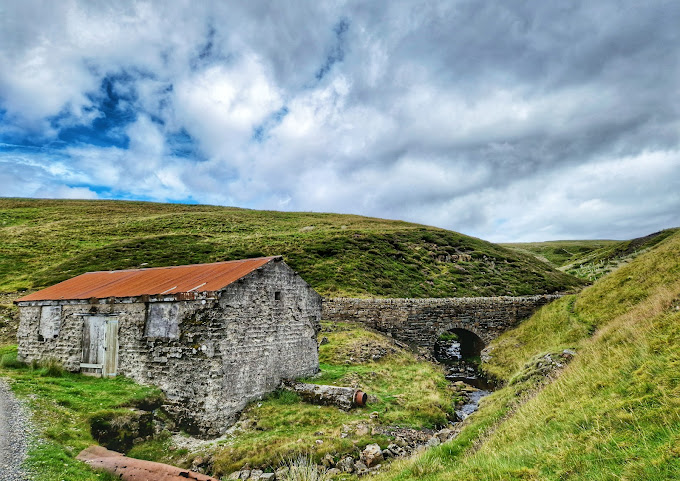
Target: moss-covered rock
{"points": [[118, 430]]}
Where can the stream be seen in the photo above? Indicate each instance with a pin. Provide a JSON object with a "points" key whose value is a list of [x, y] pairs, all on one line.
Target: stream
{"points": [[472, 404], [462, 368]]}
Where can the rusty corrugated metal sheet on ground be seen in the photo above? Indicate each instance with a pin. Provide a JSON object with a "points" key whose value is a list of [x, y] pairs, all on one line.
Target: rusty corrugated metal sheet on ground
{"points": [[175, 280], [130, 469]]}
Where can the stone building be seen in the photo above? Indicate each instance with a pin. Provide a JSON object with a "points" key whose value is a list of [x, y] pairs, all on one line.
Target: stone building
{"points": [[212, 336]]}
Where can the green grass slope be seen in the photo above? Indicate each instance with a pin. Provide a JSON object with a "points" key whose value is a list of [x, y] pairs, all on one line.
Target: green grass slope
{"points": [[562, 252], [591, 259], [608, 258], [613, 413], [46, 241]]}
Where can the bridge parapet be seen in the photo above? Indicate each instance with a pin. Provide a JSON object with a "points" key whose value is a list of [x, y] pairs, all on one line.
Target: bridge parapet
{"points": [[419, 322]]}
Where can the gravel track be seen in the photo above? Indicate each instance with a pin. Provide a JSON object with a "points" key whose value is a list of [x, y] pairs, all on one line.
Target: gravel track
{"points": [[13, 433]]}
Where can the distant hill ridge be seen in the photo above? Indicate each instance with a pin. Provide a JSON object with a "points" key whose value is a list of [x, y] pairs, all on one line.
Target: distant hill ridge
{"points": [[43, 242], [591, 259]]}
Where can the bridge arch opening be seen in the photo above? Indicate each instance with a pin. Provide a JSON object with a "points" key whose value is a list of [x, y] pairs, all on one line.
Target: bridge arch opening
{"points": [[460, 351], [457, 345]]}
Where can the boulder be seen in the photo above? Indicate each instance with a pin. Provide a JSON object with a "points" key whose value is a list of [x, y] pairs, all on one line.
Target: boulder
{"points": [[393, 451], [362, 430], [328, 461], [444, 434], [255, 474], [117, 430], [346, 464], [372, 455], [360, 468]]}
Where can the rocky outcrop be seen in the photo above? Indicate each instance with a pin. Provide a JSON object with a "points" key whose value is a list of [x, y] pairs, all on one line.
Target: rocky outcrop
{"points": [[369, 460], [120, 430]]}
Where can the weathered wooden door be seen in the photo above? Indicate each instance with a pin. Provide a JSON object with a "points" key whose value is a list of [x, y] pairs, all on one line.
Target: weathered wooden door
{"points": [[100, 346]]}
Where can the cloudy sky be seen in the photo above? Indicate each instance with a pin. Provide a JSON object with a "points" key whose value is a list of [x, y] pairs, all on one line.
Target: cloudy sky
{"points": [[510, 121]]}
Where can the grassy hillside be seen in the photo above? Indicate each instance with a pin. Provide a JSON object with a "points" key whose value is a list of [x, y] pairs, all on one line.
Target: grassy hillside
{"points": [[591, 259], [602, 261], [562, 252], [46, 241], [613, 413]]}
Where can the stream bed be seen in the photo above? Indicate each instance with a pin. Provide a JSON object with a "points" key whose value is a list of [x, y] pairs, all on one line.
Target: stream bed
{"points": [[462, 371], [472, 403]]}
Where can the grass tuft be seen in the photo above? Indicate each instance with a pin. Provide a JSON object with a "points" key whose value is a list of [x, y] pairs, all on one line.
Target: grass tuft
{"points": [[448, 336], [10, 361], [51, 367], [284, 397], [303, 468]]}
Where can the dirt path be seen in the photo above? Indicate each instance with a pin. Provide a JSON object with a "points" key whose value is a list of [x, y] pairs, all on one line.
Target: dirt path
{"points": [[12, 436]]}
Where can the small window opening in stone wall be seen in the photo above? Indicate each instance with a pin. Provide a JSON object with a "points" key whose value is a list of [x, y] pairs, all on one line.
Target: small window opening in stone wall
{"points": [[162, 320], [50, 322], [277, 296]]}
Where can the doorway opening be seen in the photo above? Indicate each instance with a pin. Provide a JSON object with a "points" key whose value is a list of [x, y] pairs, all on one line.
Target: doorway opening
{"points": [[100, 346]]}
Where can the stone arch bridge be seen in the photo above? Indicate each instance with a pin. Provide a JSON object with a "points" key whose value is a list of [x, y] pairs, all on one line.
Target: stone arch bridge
{"points": [[420, 322]]}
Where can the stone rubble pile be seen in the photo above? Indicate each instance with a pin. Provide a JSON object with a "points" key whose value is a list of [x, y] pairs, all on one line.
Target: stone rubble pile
{"points": [[369, 461]]}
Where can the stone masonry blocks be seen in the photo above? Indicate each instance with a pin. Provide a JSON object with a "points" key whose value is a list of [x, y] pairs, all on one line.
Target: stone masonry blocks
{"points": [[419, 322]]}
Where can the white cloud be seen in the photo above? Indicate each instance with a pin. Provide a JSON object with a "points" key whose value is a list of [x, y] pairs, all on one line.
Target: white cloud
{"points": [[221, 105], [616, 198], [533, 129], [64, 192]]}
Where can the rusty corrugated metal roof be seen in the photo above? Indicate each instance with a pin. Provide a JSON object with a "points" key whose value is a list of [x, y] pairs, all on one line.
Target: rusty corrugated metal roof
{"points": [[152, 281]]}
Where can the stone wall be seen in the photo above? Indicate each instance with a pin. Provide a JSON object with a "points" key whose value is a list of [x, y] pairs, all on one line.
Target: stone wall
{"points": [[225, 351], [419, 322]]}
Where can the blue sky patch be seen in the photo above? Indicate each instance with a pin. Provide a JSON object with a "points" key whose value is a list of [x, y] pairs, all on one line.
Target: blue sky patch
{"points": [[182, 145], [261, 132], [115, 103], [337, 52]]}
